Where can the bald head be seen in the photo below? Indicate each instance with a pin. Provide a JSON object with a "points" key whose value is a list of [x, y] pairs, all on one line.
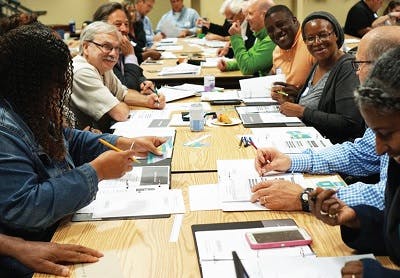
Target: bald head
{"points": [[264, 5], [373, 44]]}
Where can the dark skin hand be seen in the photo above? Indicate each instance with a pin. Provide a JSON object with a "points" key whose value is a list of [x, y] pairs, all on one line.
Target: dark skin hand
{"points": [[49, 257], [352, 269]]}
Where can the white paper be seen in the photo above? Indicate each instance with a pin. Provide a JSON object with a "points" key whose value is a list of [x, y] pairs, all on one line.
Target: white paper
{"points": [[183, 68], [176, 120], [168, 55], [204, 197], [185, 106], [219, 244], [289, 139], [324, 267], [236, 178], [172, 94], [259, 86], [155, 202], [226, 95], [169, 47]]}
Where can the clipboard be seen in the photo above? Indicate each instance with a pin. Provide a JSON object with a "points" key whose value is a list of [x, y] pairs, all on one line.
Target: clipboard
{"points": [[237, 226]]}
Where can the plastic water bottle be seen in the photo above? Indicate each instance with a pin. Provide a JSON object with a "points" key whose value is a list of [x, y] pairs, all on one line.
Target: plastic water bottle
{"points": [[196, 117]]}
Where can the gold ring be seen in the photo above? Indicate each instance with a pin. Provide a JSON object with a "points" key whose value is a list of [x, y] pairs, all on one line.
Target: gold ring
{"points": [[265, 199]]}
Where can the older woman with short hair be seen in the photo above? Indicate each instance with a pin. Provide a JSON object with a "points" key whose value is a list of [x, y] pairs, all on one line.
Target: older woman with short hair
{"points": [[326, 100]]}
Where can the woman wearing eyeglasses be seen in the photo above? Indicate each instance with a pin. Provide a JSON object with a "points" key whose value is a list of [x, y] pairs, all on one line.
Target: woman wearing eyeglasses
{"points": [[326, 100]]}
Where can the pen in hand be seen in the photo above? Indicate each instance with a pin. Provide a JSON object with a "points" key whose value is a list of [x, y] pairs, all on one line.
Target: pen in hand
{"points": [[112, 147], [282, 93], [156, 92]]}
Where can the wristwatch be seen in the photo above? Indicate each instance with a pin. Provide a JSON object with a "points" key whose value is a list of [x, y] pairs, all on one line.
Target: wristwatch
{"points": [[305, 206]]}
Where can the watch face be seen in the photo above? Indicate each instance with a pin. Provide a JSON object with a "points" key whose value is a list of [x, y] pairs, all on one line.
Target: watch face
{"points": [[304, 196]]}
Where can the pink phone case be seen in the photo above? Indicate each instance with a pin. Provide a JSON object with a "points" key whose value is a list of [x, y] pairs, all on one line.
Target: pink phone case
{"points": [[276, 244]]}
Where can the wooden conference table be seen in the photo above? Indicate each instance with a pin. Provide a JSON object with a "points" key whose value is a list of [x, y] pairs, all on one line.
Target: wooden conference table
{"points": [[142, 247], [227, 80]]}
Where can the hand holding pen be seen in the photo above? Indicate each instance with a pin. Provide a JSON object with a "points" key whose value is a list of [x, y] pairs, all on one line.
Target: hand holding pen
{"points": [[157, 99], [147, 87], [113, 164], [270, 159]]}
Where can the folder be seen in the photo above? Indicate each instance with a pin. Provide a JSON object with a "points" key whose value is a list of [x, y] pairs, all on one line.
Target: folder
{"points": [[226, 227]]}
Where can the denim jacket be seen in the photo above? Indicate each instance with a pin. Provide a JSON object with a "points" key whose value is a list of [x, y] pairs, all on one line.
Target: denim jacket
{"points": [[36, 191]]}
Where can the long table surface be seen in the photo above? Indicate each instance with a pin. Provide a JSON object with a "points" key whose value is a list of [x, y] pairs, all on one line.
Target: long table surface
{"points": [[143, 249], [222, 143], [228, 79]]}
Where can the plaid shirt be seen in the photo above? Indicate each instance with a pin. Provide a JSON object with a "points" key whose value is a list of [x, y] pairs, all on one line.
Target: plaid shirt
{"points": [[358, 159]]}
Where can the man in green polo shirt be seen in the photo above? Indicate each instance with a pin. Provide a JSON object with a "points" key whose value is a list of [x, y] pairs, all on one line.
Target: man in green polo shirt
{"points": [[258, 59]]}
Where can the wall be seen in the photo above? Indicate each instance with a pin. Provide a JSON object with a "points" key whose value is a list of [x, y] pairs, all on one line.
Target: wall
{"points": [[61, 12]]}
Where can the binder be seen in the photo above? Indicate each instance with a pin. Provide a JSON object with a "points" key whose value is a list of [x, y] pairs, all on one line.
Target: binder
{"points": [[236, 226], [265, 116]]}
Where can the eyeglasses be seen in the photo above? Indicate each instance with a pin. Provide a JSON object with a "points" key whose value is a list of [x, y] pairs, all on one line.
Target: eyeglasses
{"points": [[322, 37], [357, 64], [106, 47]]}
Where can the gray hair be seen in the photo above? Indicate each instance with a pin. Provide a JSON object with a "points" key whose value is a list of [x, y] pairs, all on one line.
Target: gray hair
{"points": [[236, 6], [95, 28], [383, 38], [382, 88]]}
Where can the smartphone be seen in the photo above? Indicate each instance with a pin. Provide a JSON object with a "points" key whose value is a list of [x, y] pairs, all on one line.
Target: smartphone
{"points": [[274, 237]]}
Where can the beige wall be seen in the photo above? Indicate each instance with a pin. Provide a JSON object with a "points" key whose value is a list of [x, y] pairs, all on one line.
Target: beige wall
{"points": [[61, 12]]}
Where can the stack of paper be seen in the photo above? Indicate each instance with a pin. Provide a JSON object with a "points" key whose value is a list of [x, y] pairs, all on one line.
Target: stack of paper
{"points": [[183, 68], [259, 87], [236, 178], [265, 116], [290, 139], [172, 93]]}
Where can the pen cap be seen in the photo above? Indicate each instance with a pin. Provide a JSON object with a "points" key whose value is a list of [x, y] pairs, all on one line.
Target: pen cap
{"points": [[196, 117]]}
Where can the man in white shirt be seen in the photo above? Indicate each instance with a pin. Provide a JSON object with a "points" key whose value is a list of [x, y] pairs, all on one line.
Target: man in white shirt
{"points": [[179, 22], [98, 98]]}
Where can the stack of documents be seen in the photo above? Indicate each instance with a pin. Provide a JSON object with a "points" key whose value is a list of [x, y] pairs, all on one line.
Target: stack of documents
{"points": [[265, 116], [172, 93], [236, 178], [215, 243], [258, 90], [183, 68], [142, 192], [289, 139]]}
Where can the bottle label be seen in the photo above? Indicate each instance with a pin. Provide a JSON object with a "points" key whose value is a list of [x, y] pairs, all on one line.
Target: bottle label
{"points": [[209, 83], [196, 125]]}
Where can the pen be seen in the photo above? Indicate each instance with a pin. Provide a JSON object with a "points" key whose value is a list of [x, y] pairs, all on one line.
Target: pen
{"points": [[112, 147], [252, 143], [282, 93]]}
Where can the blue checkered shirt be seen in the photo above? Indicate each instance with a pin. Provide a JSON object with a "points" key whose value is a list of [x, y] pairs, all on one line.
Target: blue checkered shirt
{"points": [[358, 159]]}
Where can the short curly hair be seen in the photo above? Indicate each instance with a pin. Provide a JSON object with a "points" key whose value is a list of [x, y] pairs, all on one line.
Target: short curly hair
{"points": [[36, 79]]}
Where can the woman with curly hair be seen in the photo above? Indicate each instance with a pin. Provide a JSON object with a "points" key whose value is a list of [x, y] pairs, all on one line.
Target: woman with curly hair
{"points": [[366, 228], [48, 170]]}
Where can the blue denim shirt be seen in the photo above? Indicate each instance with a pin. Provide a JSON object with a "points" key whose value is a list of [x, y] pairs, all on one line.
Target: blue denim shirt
{"points": [[36, 191]]}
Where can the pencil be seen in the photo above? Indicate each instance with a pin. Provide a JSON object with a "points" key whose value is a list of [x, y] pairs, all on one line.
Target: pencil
{"points": [[112, 147], [282, 93]]}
